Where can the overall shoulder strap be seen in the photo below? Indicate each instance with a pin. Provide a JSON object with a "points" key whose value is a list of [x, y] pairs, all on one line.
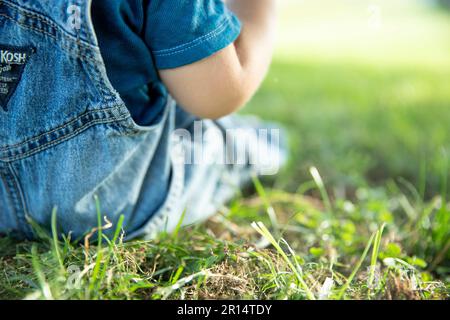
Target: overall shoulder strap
{"points": [[51, 72], [73, 16]]}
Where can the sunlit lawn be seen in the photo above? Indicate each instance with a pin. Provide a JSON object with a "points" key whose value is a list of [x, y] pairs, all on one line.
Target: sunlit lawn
{"points": [[367, 102], [363, 99]]}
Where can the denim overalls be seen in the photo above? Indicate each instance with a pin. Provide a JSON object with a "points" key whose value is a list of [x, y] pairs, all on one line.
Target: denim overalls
{"points": [[66, 136]]}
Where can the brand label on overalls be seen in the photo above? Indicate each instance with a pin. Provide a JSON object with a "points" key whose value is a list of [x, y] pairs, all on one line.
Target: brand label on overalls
{"points": [[12, 63]]}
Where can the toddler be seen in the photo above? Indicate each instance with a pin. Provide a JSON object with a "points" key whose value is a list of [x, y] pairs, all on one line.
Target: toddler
{"points": [[107, 104]]}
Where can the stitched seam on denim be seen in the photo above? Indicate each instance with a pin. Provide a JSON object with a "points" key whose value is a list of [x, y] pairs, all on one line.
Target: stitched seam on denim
{"points": [[6, 177], [12, 190], [61, 139], [50, 35], [107, 118], [29, 14], [78, 45], [213, 34], [24, 211], [66, 48], [4, 174], [68, 123], [27, 26], [79, 54], [45, 20], [195, 40]]}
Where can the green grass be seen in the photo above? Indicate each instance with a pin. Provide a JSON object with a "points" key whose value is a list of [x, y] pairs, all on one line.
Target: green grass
{"points": [[361, 212], [227, 258]]}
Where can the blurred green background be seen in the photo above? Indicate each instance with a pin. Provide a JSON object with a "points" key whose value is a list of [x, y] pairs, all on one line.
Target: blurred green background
{"points": [[364, 89]]}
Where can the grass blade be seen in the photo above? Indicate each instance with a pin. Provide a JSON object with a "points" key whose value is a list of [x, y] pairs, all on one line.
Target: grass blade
{"points": [[268, 206], [375, 251], [262, 230], [45, 288], [356, 269], [323, 191], [56, 247]]}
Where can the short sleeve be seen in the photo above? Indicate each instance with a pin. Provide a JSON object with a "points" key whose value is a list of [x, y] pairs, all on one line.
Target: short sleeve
{"points": [[181, 32]]}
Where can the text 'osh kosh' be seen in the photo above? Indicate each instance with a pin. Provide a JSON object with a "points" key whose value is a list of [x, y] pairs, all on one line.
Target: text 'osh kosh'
{"points": [[10, 57]]}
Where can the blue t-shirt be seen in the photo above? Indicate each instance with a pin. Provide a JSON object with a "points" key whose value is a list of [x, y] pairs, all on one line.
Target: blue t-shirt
{"points": [[138, 37]]}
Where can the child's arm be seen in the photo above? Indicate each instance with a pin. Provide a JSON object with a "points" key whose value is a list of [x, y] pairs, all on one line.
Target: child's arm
{"points": [[221, 84]]}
